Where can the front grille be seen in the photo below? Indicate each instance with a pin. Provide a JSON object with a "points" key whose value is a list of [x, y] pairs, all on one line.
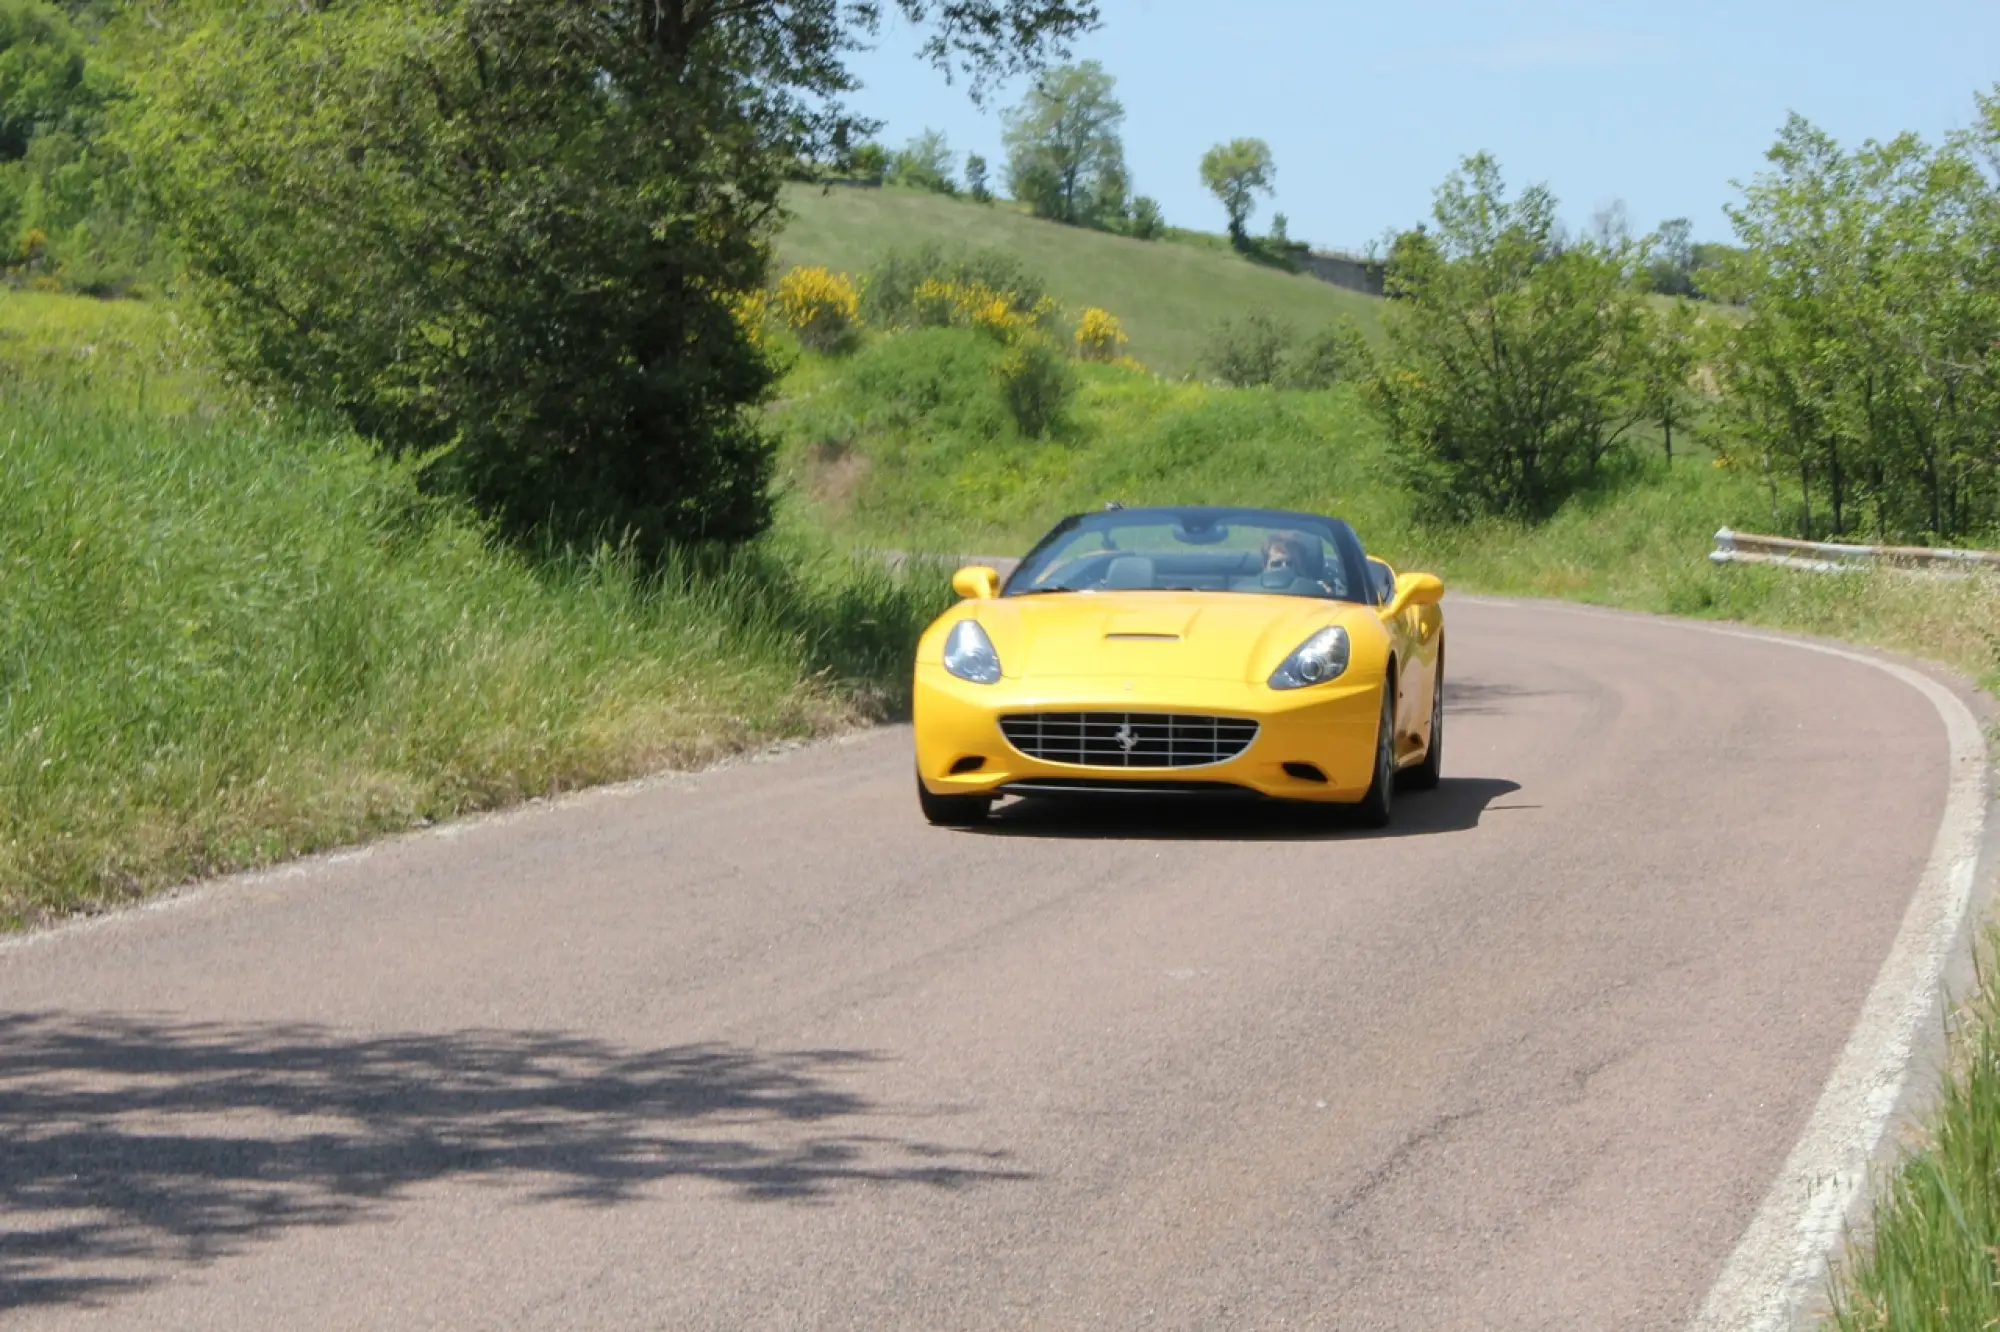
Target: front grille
{"points": [[1126, 786], [1128, 739]]}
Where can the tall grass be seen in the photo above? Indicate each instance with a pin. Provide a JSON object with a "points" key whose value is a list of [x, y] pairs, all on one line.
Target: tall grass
{"points": [[1930, 1261], [129, 353], [223, 643]]}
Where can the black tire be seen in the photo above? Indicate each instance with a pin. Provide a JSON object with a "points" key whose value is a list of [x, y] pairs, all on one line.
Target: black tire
{"points": [[1376, 807], [1426, 775], [950, 811]]}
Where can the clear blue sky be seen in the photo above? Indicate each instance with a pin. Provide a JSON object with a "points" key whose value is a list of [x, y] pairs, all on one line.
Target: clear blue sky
{"points": [[1366, 108]]}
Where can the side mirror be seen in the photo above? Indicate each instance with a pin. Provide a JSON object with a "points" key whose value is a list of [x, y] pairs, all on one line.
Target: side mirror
{"points": [[1416, 589], [976, 583]]}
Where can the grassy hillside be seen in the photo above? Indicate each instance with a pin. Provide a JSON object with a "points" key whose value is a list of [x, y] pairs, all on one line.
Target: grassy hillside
{"points": [[1168, 294], [905, 443], [224, 642]]}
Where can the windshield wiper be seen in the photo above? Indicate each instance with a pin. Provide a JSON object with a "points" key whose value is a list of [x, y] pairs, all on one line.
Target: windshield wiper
{"points": [[1044, 591]]}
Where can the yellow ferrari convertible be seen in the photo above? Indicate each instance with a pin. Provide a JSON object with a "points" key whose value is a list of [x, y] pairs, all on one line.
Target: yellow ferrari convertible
{"points": [[1201, 650]]}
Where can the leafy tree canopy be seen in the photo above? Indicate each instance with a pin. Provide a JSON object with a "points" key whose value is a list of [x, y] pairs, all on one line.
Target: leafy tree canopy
{"points": [[1236, 172], [1064, 157], [1509, 369], [513, 234]]}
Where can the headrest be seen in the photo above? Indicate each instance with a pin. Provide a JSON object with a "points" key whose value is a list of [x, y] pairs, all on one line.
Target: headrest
{"points": [[1129, 571]]}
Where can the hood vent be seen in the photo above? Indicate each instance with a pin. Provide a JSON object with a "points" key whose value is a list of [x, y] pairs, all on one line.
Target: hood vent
{"points": [[1143, 638]]}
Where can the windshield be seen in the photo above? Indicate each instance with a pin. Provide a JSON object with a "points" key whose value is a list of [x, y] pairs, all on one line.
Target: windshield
{"points": [[1267, 552]]}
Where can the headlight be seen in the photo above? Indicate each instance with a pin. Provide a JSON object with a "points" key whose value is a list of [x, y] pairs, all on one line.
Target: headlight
{"points": [[969, 654], [1317, 660]]}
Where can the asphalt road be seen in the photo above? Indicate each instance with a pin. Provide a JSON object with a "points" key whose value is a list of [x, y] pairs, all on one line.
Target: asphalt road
{"points": [[759, 1049]]}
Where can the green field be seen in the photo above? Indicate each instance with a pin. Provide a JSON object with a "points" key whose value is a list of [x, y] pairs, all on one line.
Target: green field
{"points": [[1168, 294]]}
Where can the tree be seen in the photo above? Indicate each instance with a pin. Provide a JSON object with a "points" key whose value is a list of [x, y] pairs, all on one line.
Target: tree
{"points": [[1110, 205], [47, 84], [975, 179], [1666, 370], [1611, 225], [1506, 374], [925, 163], [1236, 172], [1148, 222], [1671, 264], [1062, 143], [870, 162], [1868, 371], [65, 210], [513, 235], [1409, 252]]}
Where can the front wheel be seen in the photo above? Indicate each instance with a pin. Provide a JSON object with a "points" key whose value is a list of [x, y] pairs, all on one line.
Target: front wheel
{"points": [[1376, 806], [953, 811]]}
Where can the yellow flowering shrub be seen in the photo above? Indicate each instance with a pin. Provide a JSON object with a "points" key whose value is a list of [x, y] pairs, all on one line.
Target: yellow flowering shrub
{"points": [[1099, 335], [823, 308], [752, 310], [937, 303]]}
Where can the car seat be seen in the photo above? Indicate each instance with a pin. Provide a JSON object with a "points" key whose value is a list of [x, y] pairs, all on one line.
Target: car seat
{"points": [[1128, 573]]}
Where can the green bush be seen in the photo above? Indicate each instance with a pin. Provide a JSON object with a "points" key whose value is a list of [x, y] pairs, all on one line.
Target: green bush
{"points": [[936, 379], [1036, 383], [1148, 222], [924, 164], [1322, 360], [887, 298], [870, 162], [1249, 352]]}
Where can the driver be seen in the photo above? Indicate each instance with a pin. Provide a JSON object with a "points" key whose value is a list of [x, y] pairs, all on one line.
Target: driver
{"points": [[1294, 563]]}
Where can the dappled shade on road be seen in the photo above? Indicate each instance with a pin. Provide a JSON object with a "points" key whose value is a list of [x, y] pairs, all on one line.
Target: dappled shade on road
{"points": [[124, 1142]]}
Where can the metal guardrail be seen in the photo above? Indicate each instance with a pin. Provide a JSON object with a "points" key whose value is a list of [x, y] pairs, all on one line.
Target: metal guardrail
{"points": [[1835, 557]]}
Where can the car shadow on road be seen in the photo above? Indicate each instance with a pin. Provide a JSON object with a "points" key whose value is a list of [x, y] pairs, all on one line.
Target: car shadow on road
{"points": [[129, 1148], [1455, 806]]}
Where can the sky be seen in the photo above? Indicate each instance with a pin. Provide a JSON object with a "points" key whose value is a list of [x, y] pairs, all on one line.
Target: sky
{"points": [[1368, 107]]}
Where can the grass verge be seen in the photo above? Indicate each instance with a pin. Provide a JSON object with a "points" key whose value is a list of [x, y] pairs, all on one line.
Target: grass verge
{"points": [[226, 643], [1931, 1257]]}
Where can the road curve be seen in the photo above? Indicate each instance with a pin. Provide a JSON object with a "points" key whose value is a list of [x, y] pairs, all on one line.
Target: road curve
{"points": [[758, 1048]]}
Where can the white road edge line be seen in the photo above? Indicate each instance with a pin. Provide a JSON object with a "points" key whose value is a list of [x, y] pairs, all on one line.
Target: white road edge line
{"points": [[1782, 1256], [1784, 1252]]}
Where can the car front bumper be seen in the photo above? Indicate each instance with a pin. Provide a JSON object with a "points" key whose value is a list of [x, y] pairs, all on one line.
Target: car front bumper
{"points": [[1328, 730]]}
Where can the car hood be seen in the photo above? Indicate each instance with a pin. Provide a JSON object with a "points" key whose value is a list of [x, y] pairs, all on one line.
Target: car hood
{"points": [[1199, 636]]}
